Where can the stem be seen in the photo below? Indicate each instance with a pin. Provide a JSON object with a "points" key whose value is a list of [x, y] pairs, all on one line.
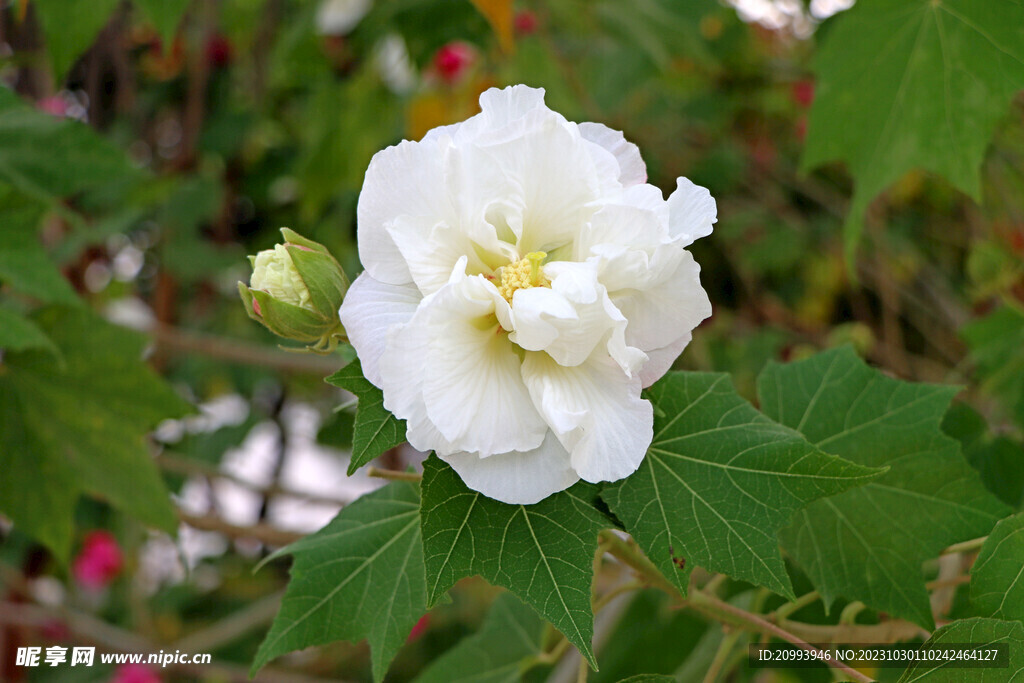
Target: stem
{"points": [[785, 610], [966, 546], [393, 475], [261, 532], [724, 611], [169, 462], [177, 340], [583, 671], [713, 607], [722, 655]]}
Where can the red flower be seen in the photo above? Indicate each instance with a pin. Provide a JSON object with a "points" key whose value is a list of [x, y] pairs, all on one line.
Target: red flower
{"points": [[803, 92], [525, 22], [99, 561], [418, 630], [453, 60]]}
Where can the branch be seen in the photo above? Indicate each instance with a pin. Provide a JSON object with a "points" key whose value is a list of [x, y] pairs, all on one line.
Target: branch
{"points": [[393, 475], [712, 606], [177, 340], [189, 466], [260, 532]]}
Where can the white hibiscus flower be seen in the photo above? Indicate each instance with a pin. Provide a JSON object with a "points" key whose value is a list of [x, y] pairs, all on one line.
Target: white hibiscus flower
{"points": [[522, 284]]}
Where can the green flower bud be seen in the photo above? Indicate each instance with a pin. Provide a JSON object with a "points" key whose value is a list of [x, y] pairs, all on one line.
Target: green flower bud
{"points": [[295, 291]]}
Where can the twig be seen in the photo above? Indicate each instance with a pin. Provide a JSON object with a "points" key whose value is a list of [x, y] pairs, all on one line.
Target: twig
{"points": [[177, 340], [231, 627], [260, 532], [188, 466], [718, 609], [796, 605], [715, 608], [393, 475], [725, 648], [966, 546]]}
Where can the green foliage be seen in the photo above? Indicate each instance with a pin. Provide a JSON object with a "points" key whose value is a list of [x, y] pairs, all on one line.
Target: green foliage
{"points": [[70, 27], [375, 430], [495, 654], [543, 553], [997, 578], [78, 427], [977, 632], [996, 457], [24, 264], [361, 576], [868, 544], [905, 84], [997, 348], [719, 481], [50, 158], [17, 333], [165, 15]]}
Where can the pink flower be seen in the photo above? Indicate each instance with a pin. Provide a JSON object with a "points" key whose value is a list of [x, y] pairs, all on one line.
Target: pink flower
{"points": [[134, 673], [99, 561], [525, 22], [453, 59], [53, 104], [803, 92], [419, 629]]}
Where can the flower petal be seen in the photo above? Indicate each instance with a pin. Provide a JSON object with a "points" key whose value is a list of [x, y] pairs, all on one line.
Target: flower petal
{"points": [[469, 378], [404, 180], [370, 310], [518, 478], [571, 318], [596, 412], [692, 212], [632, 170]]}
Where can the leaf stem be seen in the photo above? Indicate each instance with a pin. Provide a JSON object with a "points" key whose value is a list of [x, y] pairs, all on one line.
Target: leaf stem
{"points": [[966, 546], [794, 606], [725, 648], [393, 475], [712, 606]]}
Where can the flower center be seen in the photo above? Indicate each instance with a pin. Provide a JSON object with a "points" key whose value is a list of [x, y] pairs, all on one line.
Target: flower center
{"points": [[523, 274]]}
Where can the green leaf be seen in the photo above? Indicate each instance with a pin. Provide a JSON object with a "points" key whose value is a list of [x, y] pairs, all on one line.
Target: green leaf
{"points": [[361, 576], [165, 15], [905, 84], [868, 544], [17, 334], [80, 427], [997, 350], [376, 430], [980, 633], [997, 458], [997, 578], [719, 481], [24, 264], [543, 553], [70, 27], [511, 633], [50, 158]]}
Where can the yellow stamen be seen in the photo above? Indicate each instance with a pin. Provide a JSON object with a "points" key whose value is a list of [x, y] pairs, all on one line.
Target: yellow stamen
{"points": [[523, 274]]}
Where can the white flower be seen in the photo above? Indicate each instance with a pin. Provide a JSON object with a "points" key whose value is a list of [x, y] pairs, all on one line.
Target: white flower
{"points": [[273, 272], [339, 17], [522, 284]]}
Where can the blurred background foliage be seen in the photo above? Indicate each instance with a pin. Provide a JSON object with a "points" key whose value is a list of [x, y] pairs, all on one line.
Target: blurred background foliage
{"points": [[146, 147]]}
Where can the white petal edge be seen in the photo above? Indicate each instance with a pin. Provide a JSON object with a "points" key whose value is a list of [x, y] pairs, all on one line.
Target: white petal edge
{"points": [[370, 310], [692, 212], [632, 170], [404, 180], [517, 478], [596, 412]]}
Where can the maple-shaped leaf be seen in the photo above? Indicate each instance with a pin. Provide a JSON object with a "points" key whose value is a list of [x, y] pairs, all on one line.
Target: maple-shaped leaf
{"points": [[914, 84]]}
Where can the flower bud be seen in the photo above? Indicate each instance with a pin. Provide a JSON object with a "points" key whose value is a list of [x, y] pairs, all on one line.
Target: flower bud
{"points": [[295, 291]]}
